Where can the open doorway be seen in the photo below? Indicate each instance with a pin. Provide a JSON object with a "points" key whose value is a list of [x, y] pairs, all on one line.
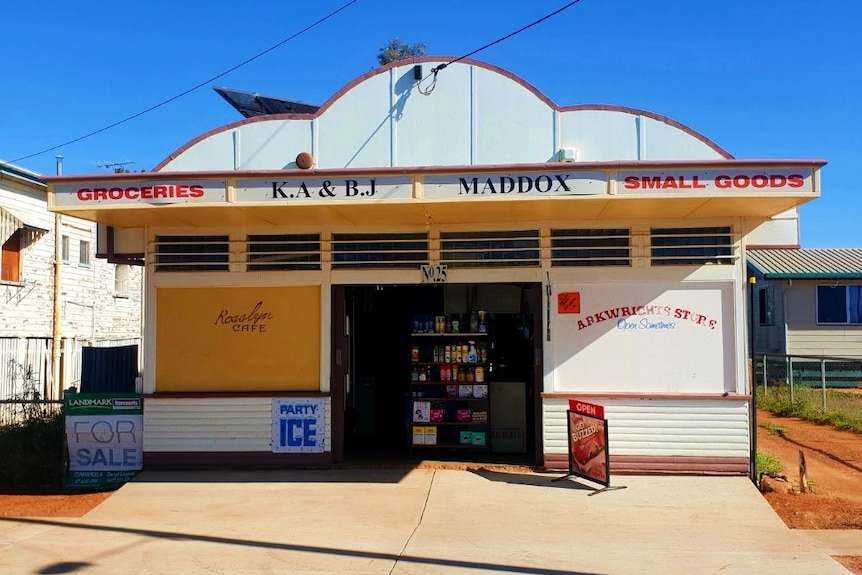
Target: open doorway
{"points": [[381, 386]]}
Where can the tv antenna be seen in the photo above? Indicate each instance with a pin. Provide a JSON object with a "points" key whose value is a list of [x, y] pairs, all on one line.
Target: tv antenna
{"points": [[115, 166]]}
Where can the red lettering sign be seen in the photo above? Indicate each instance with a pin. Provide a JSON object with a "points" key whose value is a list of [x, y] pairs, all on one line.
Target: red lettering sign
{"points": [[584, 408]]}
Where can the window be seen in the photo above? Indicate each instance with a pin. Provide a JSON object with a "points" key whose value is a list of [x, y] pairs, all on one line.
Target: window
{"points": [[64, 248], [192, 253], [283, 252], [84, 255], [766, 299], [691, 246], [10, 258], [840, 304], [511, 248], [407, 250], [590, 247], [121, 280]]}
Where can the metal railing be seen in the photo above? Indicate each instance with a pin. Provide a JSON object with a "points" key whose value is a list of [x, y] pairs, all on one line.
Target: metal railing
{"points": [[26, 366], [801, 376]]}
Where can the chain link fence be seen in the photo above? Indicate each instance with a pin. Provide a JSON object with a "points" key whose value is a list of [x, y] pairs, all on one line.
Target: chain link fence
{"points": [[827, 389]]}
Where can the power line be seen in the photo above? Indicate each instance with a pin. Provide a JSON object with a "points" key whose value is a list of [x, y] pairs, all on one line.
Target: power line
{"points": [[437, 69], [190, 90]]}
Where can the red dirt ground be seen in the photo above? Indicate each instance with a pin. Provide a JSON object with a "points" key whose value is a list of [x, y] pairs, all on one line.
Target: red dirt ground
{"points": [[834, 462]]}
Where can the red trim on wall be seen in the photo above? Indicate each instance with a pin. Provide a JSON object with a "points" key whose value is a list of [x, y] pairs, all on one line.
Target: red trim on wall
{"points": [[691, 465], [233, 459], [645, 396]]}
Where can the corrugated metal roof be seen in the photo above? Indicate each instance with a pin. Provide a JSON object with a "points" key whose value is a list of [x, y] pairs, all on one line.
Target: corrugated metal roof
{"points": [[811, 263]]}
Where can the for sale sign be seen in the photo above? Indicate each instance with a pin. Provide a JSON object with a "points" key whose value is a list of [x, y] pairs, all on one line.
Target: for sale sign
{"points": [[588, 441], [105, 437]]}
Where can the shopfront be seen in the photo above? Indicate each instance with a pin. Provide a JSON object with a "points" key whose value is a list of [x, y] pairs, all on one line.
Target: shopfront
{"points": [[313, 316]]}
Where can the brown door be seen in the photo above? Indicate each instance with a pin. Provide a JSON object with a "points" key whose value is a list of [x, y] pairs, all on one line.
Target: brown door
{"points": [[10, 259]]}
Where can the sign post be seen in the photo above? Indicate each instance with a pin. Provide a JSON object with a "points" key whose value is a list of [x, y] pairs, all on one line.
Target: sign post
{"points": [[587, 431]]}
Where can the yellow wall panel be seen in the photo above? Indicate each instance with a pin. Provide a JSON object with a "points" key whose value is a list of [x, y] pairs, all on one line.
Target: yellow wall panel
{"points": [[238, 339]]}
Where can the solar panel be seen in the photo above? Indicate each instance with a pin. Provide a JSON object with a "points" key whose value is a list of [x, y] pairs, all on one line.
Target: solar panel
{"points": [[251, 104]]}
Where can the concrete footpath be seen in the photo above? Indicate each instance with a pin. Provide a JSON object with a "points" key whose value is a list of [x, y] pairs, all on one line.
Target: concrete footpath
{"points": [[418, 521]]}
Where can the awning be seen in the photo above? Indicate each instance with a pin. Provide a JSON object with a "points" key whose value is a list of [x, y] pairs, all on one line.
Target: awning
{"points": [[11, 221]]}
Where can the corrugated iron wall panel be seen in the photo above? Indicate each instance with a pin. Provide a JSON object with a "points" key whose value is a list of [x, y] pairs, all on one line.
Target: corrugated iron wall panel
{"points": [[660, 427], [208, 424]]}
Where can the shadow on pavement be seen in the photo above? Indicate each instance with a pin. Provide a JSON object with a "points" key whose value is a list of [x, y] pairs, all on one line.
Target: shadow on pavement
{"points": [[70, 566]]}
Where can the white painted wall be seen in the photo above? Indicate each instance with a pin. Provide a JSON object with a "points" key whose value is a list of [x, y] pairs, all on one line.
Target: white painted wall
{"points": [[474, 115], [660, 427], [214, 424], [653, 337], [90, 309], [782, 230]]}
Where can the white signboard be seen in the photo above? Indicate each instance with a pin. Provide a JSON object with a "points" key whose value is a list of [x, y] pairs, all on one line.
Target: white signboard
{"points": [[298, 425], [643, 337], [130, 193], [517, 185], [330, 189], [731, 181]]}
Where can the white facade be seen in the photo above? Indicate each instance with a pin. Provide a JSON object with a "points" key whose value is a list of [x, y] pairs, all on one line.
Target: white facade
{"points": [[677, 396], [98, 305]]}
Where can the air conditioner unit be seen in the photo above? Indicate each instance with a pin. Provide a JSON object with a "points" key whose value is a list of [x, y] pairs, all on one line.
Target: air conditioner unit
{"points": [[568, 154]]}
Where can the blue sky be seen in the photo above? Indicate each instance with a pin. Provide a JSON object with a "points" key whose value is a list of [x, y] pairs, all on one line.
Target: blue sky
{"points": [[767, 79]]}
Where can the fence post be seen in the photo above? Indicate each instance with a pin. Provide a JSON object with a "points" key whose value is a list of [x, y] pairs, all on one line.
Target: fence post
{"points": [[790, 378], [823, 381]]}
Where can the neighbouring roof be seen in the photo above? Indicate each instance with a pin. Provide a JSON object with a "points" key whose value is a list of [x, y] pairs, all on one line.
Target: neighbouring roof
{"points": [[811, 263], [19, 173]]}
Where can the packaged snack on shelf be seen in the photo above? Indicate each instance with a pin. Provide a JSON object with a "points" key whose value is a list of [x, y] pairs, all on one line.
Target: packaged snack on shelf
{"points": [[418, 435], [421, 411], [478, 438], [480, 417], [431, 435], [466, 437], [480, 391], [465, 391], [465, 415], [436, 415], [451, 391]]}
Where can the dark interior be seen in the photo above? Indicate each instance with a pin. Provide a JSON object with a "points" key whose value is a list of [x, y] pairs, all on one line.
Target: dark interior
{"points": [[380, 321]]}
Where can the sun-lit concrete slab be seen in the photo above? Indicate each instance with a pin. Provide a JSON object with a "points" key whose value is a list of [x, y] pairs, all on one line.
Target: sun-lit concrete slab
{"points": [[835, 541], [415, 521]]}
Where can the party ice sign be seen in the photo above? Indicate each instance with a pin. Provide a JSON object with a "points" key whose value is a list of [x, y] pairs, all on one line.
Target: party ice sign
{"points": [[298, 425]]}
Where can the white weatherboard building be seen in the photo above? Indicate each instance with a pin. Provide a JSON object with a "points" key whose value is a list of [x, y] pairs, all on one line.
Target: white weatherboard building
{"points": [[296, 263], [95, 303]]}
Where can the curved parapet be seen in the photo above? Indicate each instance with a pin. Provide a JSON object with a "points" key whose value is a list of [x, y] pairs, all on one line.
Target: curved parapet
{"points": [[474, 114]]}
